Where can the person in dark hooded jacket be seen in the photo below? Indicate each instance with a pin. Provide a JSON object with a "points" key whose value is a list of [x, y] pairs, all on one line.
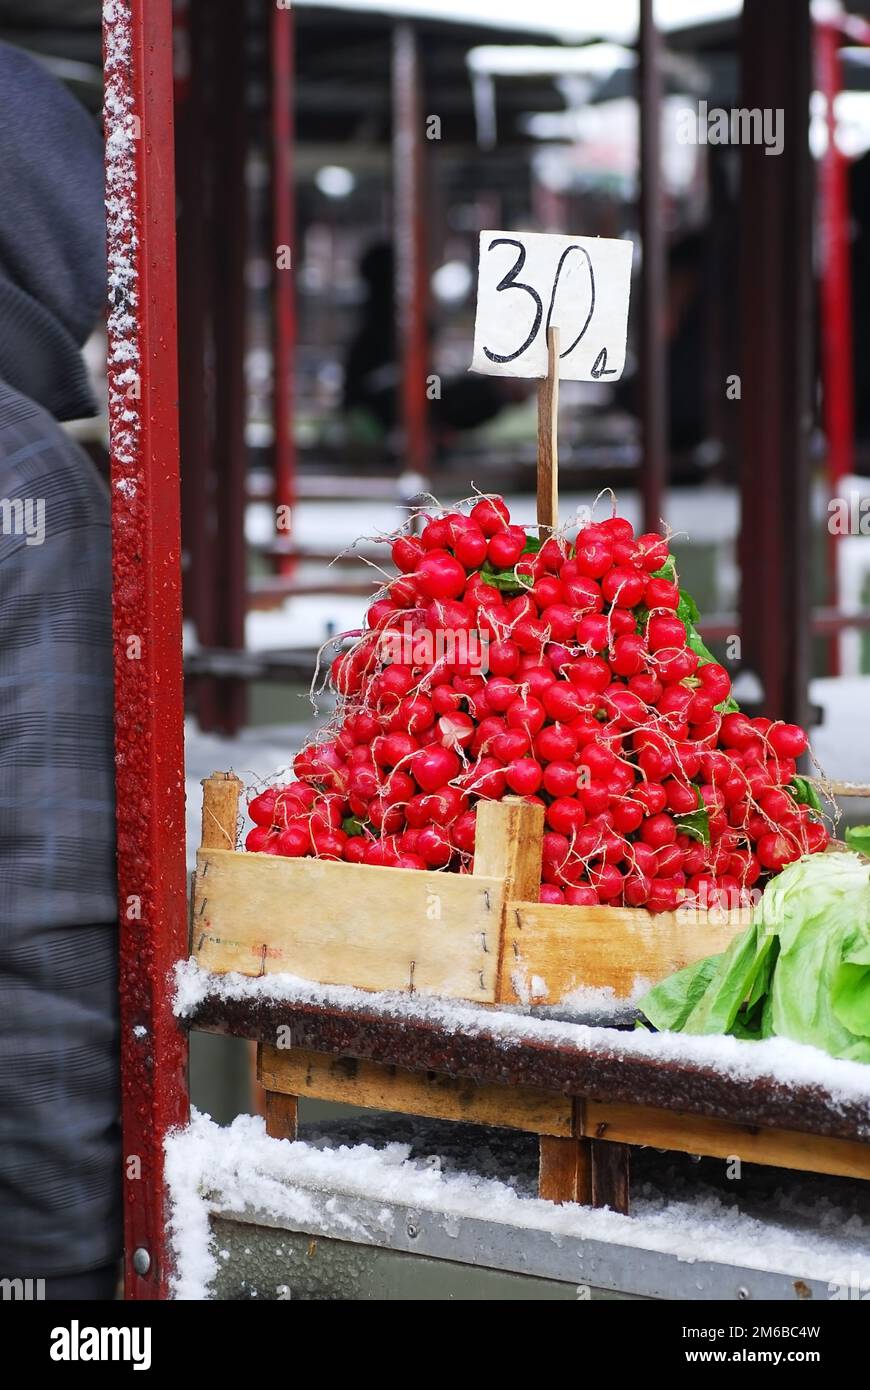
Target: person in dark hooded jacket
{"points": [[60, 1157]]}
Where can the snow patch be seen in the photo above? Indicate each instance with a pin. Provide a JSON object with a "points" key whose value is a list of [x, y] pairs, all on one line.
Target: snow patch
{"points": [[212, 1169], [774, 1059]]}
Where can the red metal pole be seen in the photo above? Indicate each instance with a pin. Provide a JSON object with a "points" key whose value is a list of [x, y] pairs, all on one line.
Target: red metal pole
{"points": [[836, 297], [143, 407], [194, 145], [410, 248], [283, 260], [653, 349]]}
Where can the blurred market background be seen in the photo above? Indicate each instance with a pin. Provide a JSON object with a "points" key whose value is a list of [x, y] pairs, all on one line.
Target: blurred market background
{"points": [[335, 166]]}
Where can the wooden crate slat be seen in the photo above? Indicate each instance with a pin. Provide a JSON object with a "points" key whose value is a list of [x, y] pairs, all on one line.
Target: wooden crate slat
{"points": [[436, 1095], [353, 924], [696, 1134], [549, 950]]}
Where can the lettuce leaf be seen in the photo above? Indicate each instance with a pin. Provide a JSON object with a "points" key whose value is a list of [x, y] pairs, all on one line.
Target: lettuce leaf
{"points": [[800, 971]]}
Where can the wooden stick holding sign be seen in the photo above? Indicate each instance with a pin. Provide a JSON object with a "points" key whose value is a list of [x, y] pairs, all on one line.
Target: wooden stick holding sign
{"points": [[548, 439], [535, 292]]}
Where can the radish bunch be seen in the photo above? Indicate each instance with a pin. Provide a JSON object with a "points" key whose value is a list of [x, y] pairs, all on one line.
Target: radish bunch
{"points": [[571, 674]]}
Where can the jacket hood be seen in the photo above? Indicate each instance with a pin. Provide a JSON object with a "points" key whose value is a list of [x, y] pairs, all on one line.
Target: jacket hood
{"points": [[52, 236]]}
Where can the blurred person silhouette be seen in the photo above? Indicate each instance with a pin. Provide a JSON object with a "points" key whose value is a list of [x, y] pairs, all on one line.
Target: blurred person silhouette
{"points": [[60, 1156], [372, 375]]}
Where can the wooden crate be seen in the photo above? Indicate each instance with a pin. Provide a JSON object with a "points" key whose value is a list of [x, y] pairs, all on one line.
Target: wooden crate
{"points": [[482, 936]]}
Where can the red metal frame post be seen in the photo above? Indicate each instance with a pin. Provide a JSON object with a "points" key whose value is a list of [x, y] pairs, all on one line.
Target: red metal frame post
{"points": [[653, 347], [836, 297], [411, 255], [282, 53], [143, 410], [194, 176]]}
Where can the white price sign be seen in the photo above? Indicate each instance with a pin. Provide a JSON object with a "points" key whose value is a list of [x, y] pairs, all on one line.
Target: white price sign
{"points": [[528, 281]]}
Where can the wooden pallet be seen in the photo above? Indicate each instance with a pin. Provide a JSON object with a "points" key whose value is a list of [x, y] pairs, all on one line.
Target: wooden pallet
{"points": [[584, 1143], [588, 1105], [481, 936]]}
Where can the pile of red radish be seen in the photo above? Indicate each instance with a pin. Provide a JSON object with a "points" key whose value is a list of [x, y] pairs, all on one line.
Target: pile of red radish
{"points": [[590, 692]]}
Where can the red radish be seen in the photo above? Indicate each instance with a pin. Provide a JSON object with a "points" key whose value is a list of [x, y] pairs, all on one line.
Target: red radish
{"points": [[652, 551], [581, 895], [664, 895], [715, 681], [380, 612], [262, 808], [737, 732], [593, 631], [566, 815], [665, 634], [261, 840], [535, 678], [594, 795], [560, 778], [607, 880], [469, 547], [661, 593], [503, 657], [414, 713], [484, 778], [675, 665], [407, 553], [551, 894], [526, 712], [390, 749], [434, 766], [593, 557], [681, 799], [652, 796], [617, 528], [523, 775], [434, 847], [560, 701], [647, 686], [440, 576], [627, 655], [491, 515], [584, 594], [636, 889], [669, 861], [556, 742], [623, 586], [530, 635], [787, 740], [455, 730], [560, 620], [328, 844], [627, 815], [590, 672], [622, 621], [506, 547], [510, 744], [597, 759], [659, 830], [489, 728], [547, 591], [445, 700], [462, 831], [777, 850], [404, 592]]}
